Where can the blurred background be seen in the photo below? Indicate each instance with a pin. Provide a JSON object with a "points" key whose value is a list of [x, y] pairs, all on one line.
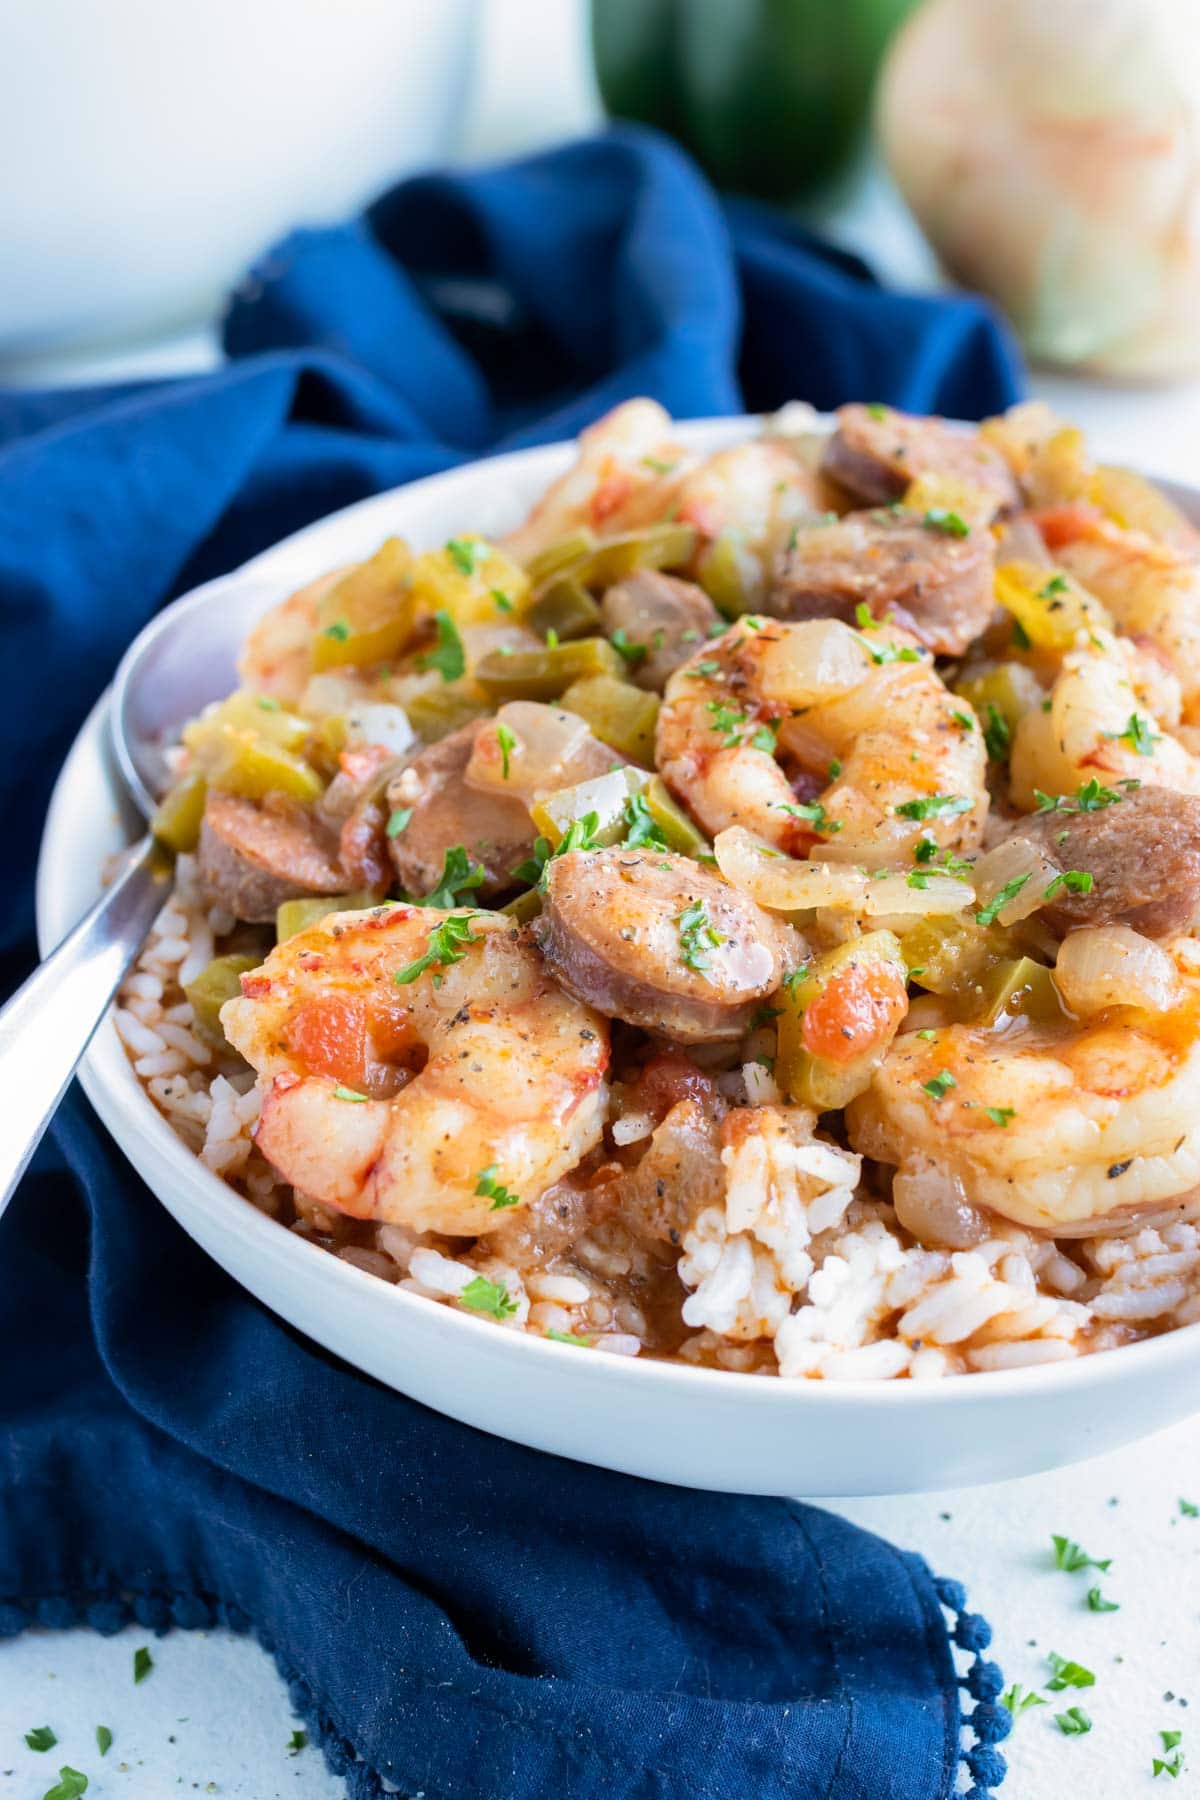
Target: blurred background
{"points": [[1046, 156]]}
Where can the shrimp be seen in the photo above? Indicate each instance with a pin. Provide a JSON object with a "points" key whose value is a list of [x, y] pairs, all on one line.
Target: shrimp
{"points": [[420, 1067], [1050, 1124], [630, 473], [1096, 724], [881, 752], [1151, 588], [276, 658]]}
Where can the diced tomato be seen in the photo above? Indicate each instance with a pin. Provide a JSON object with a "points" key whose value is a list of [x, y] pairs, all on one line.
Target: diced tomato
{"points": [[857, 1011], [611, 492], [1064, 524], [329, 1037]]}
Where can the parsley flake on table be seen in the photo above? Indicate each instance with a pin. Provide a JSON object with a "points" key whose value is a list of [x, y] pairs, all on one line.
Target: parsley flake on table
{"points": [[445, 946], [507, 740], [459, 876], [41, 1738], [1189, 1509], [70, 1785], [934, 806], [1067, 1674], [143, 1662], [1018, 1700], [1074, 1722], [988, 914], [697, 935], [1097, 1603], [465, 554], [1070, 1556], [487, 1186], [104, 1739], [297, 1742], [938, 1086], [448, 657], [491, 1297], [399, 820]]}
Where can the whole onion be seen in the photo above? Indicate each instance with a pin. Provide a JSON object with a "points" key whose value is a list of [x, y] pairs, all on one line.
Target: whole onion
{"points": [[1050, 154]]}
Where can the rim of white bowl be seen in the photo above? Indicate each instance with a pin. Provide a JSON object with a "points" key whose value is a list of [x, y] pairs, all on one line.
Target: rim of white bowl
{"points": [[126, 1100]]}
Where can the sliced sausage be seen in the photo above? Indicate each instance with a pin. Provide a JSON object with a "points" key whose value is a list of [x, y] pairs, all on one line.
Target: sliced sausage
{"points": [[664, 616], [251, 857], [659, 942], [937, 585], [876, 451], [1143, 854], [496, 832]]}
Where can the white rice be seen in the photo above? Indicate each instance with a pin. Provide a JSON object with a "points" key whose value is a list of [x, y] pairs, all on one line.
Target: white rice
{"points": [[790, 1273]]}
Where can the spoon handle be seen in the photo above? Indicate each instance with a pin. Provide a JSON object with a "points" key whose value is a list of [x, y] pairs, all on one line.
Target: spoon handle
{"points": [[49, 1022]]}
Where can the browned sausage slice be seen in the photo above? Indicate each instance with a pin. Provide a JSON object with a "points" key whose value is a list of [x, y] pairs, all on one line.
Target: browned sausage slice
{"points": [[876, 451], [663, 615], [937, 585], [1143, 854], [659, 942], [252, 858], [497, 833]]}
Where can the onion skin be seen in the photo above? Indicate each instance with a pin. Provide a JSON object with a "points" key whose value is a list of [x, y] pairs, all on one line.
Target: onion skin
{"points": [[1049, 156]]}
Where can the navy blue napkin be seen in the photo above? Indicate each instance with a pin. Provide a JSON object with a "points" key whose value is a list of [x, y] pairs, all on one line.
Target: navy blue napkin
{"points": [[454, 1615]]}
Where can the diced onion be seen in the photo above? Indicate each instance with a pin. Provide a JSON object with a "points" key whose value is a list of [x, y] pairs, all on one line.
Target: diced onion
{"points": [[782, 883], [817, 659], [897, 894], [933, 1206], [1010, 861], [1110, 965], [380, 723], [548, 750]]}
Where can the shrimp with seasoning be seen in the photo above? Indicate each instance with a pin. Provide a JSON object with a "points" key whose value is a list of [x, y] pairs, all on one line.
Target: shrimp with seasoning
{"points": [[857, 722], [420, 1067]]}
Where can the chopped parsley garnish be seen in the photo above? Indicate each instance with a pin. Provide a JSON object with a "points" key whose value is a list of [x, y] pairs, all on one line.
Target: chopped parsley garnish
{"points": [[339, 631], [1057, 584], [297, 1742], [491, 1297], [580, 834], [507, 741], [988, 914], [792, 980], [881, 654], [640, 825], [348, 1093], [764, 739], [1075, 881], [459, 876], [566, 1337], [449, 657], [487, 1186], [1019, 1699], [934, 806], [1138, 735], [1070, 1556], [725, 720], [552, 639], [941, 518], [1097, 1603], [864, 618], [503, 603], [103, 1739], [1074, 1722], [534, 867], [928, 1034], [697, 936], [1020, 637], [709, 666], [41, 1738], [633, 652], [835, 768], [465, 554], [938, 1086], [399, 820], [143, 1662], [963, 720], [445, 946], [266, 704], [875, 411], [926, 850], [70, 1785], [1189, 1509], [997, 735], [1091, 797], [1000, 1115], [659, 466], [1067, 1674], [812, 812]]}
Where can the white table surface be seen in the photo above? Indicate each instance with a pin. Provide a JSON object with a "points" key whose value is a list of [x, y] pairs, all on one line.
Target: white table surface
{"points": [[212, 1717]]}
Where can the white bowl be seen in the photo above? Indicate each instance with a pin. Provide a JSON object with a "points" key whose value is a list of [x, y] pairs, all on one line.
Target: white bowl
{"points": [[738, 1433]]}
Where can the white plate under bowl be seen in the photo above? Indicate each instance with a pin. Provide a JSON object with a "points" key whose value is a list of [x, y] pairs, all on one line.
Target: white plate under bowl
{"points": [[709, 1429]]}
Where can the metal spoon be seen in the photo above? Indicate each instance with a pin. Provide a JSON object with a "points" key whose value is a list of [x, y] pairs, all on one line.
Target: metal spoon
{"points": [[183, 659]]}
